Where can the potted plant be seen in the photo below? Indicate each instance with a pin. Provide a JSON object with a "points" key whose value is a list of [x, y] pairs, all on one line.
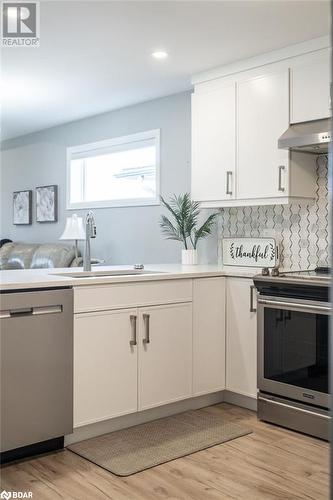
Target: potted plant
{"points": [[183, 225]]}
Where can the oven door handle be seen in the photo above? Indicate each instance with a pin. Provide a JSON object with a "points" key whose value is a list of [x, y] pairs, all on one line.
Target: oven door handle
{"points": [[314, 308]]}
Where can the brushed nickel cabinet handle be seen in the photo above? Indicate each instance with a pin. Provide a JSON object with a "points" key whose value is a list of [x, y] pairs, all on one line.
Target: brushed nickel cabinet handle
{"points": [[280, 187], [146, 318], [229, 174], [133, 329], [252, 308]]}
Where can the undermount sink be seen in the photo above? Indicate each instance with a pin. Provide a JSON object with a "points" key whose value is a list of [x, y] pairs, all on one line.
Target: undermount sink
{"points": [[99, 274]]}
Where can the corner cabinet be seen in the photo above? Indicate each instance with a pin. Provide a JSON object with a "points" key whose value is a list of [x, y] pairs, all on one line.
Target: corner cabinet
{"points": [[208, 335], [241, 341], [263, 116], [310, 87], [237, 120]]}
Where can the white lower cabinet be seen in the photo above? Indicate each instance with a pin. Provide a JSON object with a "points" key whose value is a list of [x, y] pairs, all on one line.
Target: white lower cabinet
{"points": [[105, 366], [135, 358], [241, 332], [165, 354], [208, 335], [131, 359]]}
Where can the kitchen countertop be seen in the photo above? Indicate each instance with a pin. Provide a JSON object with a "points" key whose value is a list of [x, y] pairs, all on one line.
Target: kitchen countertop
{"points": [[45, 278]]}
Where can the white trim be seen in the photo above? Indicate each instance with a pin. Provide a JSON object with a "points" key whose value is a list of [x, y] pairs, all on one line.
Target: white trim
{"points": [[130, 419], [255, 202], [243, 400], [269, 57], [105, 144], [114, 141]]}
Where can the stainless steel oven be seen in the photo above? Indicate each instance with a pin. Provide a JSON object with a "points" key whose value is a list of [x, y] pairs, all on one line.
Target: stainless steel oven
{"points": [[293, 347]]}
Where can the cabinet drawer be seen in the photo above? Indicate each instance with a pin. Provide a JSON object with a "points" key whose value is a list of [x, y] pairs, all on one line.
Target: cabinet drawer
{"points": [[121, 295]]}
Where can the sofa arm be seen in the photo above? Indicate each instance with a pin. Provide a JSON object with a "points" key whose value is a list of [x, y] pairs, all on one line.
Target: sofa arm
{"points": [[52, 255]]}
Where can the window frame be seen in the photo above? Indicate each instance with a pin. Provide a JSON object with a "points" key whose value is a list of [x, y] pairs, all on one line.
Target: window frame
{"points": [[109, 143]]}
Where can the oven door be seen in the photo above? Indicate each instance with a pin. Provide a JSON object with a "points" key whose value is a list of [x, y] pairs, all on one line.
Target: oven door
{"points": [[293, 349]]}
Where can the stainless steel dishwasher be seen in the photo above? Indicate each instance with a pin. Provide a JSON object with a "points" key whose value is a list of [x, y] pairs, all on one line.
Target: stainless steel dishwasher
{"points": [[36, 332]]}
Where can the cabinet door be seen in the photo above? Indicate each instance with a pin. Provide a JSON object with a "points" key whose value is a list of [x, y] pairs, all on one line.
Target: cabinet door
{"points": [[213, 144], [165, 354], [310, 88], [208, 335], [241, 345], [263, 115], [105, 365]]}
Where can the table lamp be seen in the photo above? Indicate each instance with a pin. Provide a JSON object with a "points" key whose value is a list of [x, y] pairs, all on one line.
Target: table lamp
{"points": [[74, 231]]}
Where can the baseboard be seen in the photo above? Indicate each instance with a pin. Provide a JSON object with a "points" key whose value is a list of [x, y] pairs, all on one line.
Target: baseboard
{"points": [[117, 423], [240, 400]]}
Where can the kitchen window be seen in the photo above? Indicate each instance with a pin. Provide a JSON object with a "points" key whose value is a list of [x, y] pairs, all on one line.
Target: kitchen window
{"points": [[123, 171]]}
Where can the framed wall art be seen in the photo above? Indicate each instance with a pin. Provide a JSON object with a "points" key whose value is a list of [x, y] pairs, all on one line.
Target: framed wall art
{"points": [[47, 203], [22, 207]]}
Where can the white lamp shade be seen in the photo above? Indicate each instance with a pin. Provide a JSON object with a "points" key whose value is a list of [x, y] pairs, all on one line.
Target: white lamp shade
{"points": [[74, 229]]}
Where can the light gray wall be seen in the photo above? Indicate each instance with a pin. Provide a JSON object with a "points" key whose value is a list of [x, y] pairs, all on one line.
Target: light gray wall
{"points": [[125, 235]]}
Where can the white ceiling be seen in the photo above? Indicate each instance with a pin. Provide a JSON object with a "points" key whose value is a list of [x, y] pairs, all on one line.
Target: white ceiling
{"points": [[96, 56]]}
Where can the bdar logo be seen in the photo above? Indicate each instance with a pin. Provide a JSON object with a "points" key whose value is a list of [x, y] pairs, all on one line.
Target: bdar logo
{"points": [[5, 494], [15, 494]]}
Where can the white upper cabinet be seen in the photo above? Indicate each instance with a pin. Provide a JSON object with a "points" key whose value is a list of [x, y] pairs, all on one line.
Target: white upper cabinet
{"points": [[214, 143], [310, 87], [263, 116], [239, 113]]}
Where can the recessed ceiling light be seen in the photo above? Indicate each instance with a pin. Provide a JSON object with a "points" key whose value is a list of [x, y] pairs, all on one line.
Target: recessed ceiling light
{"points": [[160, 54]]}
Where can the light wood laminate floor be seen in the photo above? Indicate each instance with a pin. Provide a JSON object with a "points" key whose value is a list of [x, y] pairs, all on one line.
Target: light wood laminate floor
{"points": [[270, 463]]}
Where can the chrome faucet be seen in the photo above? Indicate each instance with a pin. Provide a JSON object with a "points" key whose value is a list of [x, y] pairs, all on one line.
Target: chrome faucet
{"points": [[90, 228]]}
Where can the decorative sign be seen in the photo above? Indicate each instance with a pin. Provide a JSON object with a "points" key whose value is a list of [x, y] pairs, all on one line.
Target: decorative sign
{"points": [[249, 252]]}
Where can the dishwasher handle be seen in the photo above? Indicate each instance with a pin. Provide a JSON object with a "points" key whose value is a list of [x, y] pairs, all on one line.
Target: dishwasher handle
{"points": [[21, 312], [30, 311]]}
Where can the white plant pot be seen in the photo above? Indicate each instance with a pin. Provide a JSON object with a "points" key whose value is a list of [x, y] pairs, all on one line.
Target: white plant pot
{"points": [[189, 257]]}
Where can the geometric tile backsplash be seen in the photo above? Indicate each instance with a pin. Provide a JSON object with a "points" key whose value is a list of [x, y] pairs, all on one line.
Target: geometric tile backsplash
{"points": [[301, 231]]}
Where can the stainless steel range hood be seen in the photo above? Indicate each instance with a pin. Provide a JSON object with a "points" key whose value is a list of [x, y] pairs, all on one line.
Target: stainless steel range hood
{"points": [[308, 137]]}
